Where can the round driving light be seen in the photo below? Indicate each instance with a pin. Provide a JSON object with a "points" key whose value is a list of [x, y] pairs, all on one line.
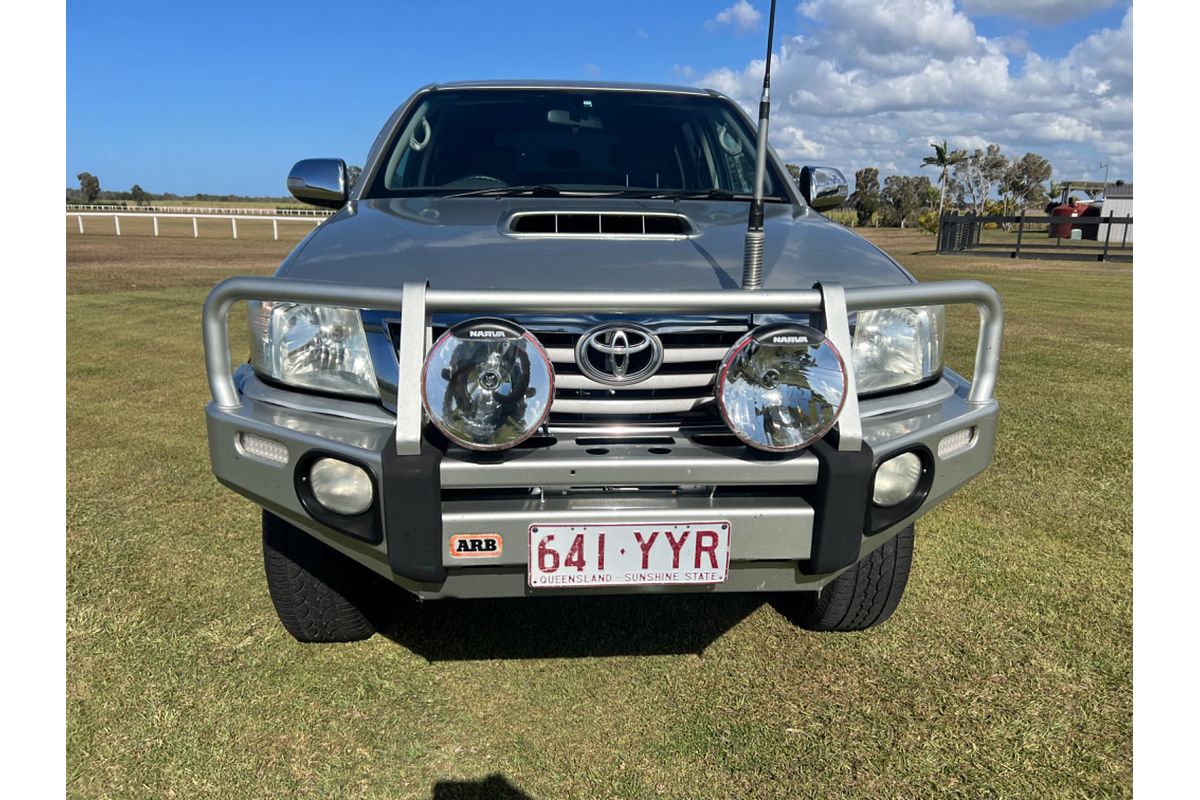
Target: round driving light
{"points": [[341, 487], [897, 479], [781, 387], [487, 384]]}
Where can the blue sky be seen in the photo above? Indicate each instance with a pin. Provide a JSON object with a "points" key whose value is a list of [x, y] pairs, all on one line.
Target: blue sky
{"points": [[223, 97]]}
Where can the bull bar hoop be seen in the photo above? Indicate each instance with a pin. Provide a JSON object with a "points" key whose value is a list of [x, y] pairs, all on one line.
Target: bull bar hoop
{"points": [[416, 302]]}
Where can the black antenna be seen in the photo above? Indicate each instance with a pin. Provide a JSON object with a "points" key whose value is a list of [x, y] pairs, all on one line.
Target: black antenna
{"points": [[753, 257]]}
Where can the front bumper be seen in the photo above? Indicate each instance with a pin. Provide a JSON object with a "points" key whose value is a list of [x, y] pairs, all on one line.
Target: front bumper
{"points": [[797, 520], [771, 502]]}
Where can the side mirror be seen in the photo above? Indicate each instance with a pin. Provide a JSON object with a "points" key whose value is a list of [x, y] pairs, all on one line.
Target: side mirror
{"points": [[320, 181], [823, 187]]}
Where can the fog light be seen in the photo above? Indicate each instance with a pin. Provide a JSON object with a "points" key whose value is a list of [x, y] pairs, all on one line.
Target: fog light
{"points": [[261, 447], [340, 487], [956, 442], [897, 479]]}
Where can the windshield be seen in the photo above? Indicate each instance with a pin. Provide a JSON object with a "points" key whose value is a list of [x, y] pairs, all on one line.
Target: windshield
{"points": [[502, 141]]}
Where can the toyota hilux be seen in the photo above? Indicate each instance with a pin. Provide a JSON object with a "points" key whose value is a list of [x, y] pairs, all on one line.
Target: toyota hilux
{"points": [[535, 352]]}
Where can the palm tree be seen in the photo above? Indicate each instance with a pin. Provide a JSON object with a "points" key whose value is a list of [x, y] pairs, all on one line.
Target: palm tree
{"points": [[943, 159]]}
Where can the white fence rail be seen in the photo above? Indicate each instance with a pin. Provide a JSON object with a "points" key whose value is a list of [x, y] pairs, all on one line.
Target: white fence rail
{"points": [[241, 212], [195, 218]]}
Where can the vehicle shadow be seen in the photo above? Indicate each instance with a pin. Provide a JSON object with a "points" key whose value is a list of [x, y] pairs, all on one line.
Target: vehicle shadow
{"points": [[562, 627], [493, 787]]}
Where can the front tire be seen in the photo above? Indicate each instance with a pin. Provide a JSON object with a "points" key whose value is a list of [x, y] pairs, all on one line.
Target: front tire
{"points": [[861, 597], [319, 594]]}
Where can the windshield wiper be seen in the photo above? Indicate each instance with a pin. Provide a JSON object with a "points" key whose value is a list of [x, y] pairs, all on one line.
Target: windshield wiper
{"points": [[692, 194], [545, 190], [510, 191]]}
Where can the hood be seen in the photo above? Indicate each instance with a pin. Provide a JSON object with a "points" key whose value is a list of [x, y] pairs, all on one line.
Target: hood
{"points": [[461, 243]]}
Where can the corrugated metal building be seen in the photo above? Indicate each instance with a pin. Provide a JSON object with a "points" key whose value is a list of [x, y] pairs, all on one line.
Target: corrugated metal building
{"points": [[1118, 202]]}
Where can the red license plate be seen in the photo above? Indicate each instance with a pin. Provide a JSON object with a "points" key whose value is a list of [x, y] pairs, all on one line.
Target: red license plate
{"points": [[628, 554]]}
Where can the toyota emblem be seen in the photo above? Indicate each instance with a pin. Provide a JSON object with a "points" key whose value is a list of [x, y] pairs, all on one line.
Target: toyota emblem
{"points": [[619, 354]]}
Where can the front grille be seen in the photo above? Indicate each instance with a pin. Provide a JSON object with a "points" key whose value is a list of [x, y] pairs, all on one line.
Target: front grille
{"points": [[679, 393]]}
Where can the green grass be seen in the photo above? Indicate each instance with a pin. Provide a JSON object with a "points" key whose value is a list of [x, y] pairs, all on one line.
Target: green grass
{"points": [[1035, 237], [1006, 671]]}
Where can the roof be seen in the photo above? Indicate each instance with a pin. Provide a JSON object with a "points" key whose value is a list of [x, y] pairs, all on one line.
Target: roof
{"points": [[1095, 188], [599, 86]]}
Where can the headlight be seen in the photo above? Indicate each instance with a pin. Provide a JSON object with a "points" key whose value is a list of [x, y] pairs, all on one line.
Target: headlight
{"points": [[781, 387], [895, 347], [315, 347], [487, 384]]}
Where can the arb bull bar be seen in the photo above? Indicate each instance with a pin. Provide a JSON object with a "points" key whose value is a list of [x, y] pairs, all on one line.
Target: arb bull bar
{"points": [[411, 473]]}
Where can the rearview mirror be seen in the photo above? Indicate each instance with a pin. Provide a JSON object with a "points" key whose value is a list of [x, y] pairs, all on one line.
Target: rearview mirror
{"points": [[823, 187], [563, 116], [320, 182]]}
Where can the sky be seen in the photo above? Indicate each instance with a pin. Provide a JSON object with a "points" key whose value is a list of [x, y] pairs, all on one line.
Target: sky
{"points": [[223, 97]]}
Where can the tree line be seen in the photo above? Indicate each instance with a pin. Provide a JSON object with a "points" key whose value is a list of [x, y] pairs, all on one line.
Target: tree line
{"points": [[981, 182], [984, 181], [89, 192]]}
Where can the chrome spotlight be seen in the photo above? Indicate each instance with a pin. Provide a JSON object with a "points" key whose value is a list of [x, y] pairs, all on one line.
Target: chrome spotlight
{"points": [[781, 387], [487, 384]]}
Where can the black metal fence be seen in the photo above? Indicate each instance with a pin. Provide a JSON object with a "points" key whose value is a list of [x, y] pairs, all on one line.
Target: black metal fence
{"points": [[1084, 238]]}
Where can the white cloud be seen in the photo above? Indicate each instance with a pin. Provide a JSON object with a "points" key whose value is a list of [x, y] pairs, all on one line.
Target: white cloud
{"points": [[1044, 12], [591, 70], [967, 143], [643, 33], [741, 15], [888, 35], [871, 82], [794, 140]]}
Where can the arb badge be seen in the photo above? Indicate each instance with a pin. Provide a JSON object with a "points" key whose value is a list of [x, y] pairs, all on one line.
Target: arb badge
{"points": [[476, 545]]}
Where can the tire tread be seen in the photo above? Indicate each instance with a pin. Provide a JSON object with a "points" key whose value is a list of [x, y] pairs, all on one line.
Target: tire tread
{"points": [[317, 592], [863, 596]]}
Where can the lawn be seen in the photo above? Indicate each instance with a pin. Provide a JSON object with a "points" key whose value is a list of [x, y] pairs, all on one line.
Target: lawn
{"points": [[1006, 671]]}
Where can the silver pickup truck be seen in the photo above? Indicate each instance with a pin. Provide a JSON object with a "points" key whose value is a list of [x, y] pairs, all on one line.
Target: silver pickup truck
{"points": [[528, 356]]}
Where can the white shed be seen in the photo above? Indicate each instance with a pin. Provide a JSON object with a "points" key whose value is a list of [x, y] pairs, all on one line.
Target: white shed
{"points": [[1118, 202]]}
